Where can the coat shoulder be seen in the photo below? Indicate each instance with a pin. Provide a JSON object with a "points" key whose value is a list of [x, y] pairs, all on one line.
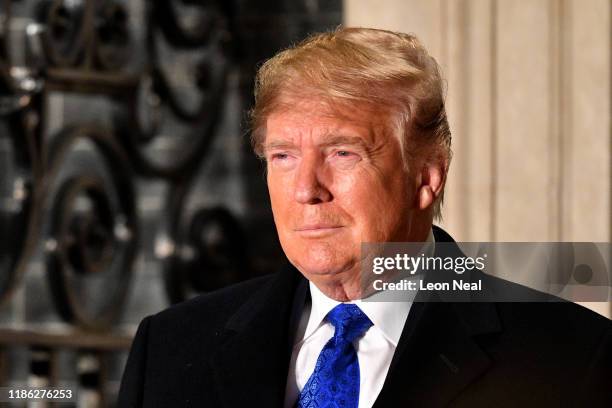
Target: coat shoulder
{"points": [[527, 307], [170, 359], [210, 310]]}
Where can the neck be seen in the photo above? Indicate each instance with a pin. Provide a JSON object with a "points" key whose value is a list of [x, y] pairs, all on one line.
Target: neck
{"points": [[342, 287]]}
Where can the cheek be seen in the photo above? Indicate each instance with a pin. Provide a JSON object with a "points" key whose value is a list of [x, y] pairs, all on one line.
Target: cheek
{"points": [[377, 206], [349, 186], [278, 189], [364, 192]]}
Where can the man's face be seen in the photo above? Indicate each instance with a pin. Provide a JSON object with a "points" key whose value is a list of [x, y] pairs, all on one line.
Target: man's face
{"points": [[335, 181]]}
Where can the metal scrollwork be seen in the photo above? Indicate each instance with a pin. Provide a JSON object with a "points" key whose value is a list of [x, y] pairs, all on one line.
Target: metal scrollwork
{"points": [[20, 119], [169, 92], [202, 251], [92, 238], [84, 34], [5, 18], [18, 216], [185, 104], [112, 36], [66, 35], [190, 24]]}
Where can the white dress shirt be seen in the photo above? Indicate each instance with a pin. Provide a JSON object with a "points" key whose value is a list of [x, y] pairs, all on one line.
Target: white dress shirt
{"points": [[375, 348]]}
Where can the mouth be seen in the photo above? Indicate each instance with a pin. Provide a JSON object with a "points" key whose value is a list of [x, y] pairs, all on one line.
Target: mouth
{"points": [[318, 230]]}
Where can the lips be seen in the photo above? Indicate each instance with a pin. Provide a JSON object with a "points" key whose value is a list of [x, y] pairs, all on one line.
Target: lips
{"points": [[318, 231], [315, 227]]}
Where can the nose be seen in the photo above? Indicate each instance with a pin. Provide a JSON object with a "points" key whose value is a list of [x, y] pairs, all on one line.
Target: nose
{"points": [[309, 186]]}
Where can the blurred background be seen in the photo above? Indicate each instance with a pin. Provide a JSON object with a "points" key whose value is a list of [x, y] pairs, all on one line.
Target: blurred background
{"points": [[127, 182]]}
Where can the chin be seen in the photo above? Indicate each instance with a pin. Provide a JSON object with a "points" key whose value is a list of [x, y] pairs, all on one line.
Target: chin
{"points": [[321, 269], [320, 257], [317, 270]]}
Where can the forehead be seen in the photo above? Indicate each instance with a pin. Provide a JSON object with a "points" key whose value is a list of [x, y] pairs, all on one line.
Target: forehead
{"points": [[317, 119]]}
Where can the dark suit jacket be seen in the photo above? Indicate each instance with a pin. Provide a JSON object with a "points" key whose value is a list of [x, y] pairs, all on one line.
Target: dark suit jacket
{"points": [[231, 348]]}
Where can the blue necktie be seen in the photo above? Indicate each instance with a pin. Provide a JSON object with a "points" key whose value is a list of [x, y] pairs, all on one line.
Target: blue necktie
{"points": [[334, 382]]}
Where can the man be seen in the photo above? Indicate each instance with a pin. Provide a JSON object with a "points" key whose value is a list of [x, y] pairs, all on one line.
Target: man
{"points": [[353, 130]]}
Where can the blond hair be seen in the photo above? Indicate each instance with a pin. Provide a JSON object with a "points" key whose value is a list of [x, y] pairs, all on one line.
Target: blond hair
{"points": [[347, 66]]}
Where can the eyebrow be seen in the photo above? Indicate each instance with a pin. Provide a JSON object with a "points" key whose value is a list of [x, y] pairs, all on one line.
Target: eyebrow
{"points": [[331, 140], [337, 140], [278, 144]]}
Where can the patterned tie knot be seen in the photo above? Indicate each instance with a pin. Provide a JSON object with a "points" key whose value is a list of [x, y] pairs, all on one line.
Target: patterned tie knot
{"points": [[350, 322]]}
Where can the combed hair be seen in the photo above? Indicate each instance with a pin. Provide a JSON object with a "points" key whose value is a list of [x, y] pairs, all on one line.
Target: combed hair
{"points": [[361, 66]]}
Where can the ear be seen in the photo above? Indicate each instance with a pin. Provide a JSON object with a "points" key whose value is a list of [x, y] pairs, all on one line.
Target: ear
{"points": [[432, 179]]}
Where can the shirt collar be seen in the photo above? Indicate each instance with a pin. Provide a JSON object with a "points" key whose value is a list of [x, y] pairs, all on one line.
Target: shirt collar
{"points": [[389, 317]]}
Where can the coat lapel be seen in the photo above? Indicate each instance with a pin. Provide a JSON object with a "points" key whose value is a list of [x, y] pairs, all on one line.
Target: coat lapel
{"points": [[438, 356], [254, 350]]}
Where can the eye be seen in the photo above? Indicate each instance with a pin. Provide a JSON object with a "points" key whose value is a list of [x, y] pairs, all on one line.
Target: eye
{"points": [[281, 160], [279, 156], [344, 159]]}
